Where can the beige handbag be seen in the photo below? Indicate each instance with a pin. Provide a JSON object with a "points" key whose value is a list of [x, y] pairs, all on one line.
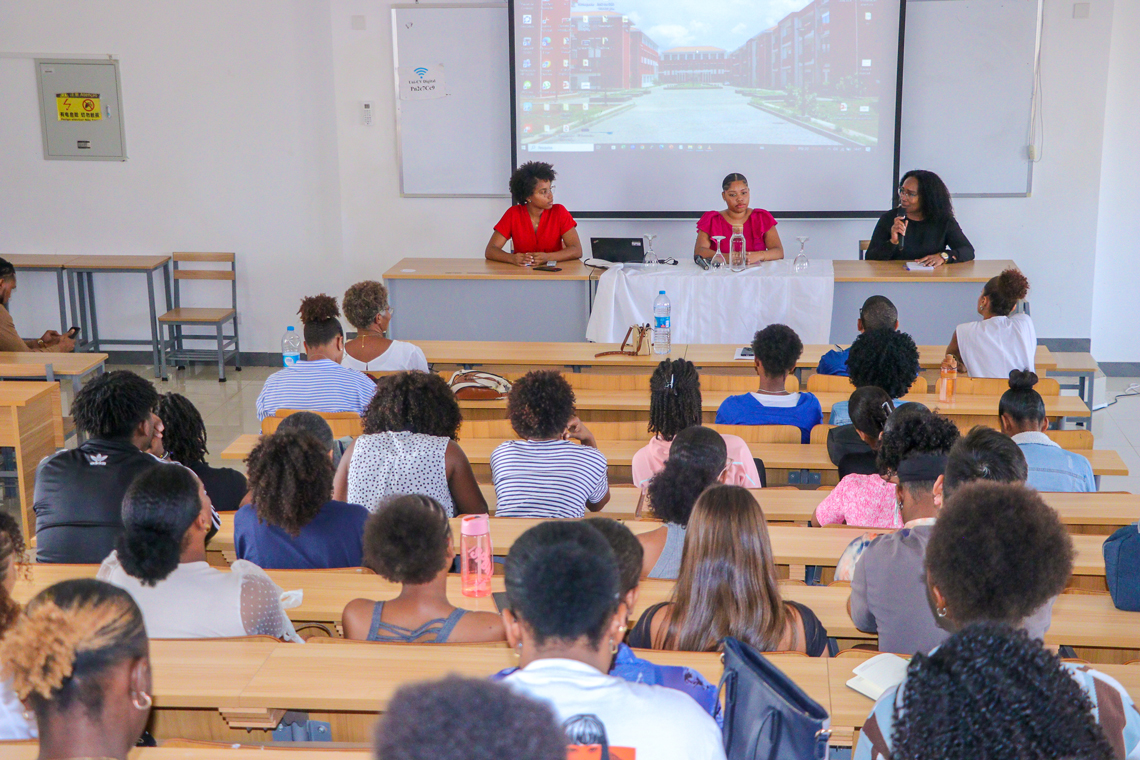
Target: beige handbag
{"points": [[473, 385]]}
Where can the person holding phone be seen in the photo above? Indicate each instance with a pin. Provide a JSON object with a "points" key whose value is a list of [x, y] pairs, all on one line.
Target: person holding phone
{"points": [[922, 228], [540, 229], [10, 340]]}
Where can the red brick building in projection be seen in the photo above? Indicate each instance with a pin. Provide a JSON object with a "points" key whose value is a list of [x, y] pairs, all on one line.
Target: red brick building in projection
{"points": [[689, 65]]}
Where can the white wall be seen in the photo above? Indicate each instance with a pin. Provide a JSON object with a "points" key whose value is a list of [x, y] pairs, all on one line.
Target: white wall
{"points": [[272, 162], [1115, 337]]}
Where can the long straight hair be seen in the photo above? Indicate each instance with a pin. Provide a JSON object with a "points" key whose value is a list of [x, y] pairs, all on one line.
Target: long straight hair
{"points": [[727, 583]]}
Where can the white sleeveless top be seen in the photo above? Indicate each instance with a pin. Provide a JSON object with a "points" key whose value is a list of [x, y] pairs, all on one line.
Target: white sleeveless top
{"points": [[399, 356], [390, 464], [996, 346]]}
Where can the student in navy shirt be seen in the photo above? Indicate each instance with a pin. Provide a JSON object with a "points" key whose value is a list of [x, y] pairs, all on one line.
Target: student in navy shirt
{"points": [[878, 313], [777, 348], [292, 524]]}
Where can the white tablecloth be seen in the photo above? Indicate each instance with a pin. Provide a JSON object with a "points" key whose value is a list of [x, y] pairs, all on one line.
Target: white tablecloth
{"points": [[718, 306]]}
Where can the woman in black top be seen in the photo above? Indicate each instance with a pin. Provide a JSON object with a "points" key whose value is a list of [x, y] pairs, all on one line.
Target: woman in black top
{"points": [[923, 227], [184, 441]]}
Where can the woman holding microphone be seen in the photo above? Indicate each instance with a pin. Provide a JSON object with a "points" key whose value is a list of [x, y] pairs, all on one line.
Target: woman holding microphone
{"points": [[541, 229], [923, 227]]}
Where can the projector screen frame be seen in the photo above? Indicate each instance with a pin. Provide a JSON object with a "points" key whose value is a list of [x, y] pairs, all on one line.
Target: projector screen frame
{"points": [[788, 214]]}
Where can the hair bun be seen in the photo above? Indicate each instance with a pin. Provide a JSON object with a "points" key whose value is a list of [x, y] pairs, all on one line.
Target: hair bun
{"points": [[1013, 285], [318, 309], [1022, 380], [39, 654]]}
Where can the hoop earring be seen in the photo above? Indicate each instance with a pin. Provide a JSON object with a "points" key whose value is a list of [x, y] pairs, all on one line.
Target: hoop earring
{"points": [[940, 612], [146, 698], [613, 647]]}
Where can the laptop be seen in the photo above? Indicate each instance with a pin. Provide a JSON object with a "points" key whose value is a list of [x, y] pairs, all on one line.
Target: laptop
{"points": [[618, 250]]}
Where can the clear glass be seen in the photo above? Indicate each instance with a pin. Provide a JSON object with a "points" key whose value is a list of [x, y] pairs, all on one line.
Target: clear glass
{"points": [[717, 261], [737, 255], [801, 263], [650, 256]]}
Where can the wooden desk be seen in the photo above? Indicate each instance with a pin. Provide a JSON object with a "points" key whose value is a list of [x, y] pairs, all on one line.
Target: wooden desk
{"points": [[73, 366], [539, 354], [977, 271], [720, 355], [31, 422]]}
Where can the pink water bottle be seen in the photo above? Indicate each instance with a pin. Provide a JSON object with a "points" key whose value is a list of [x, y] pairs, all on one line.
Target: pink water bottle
{"points": [[476, 557]]}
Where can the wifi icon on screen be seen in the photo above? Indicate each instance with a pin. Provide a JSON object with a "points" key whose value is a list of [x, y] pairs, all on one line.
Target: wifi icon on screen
{"points": [[421, 71]]}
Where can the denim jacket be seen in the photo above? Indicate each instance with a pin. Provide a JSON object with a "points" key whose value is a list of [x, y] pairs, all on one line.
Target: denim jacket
{"points": [[1052, 468]]}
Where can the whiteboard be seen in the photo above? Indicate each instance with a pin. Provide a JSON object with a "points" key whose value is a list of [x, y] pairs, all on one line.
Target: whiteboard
{"points": [[458, 145], [968, 68]]}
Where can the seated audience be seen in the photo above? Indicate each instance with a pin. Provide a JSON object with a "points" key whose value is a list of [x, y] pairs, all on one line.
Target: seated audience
{"points": [[545, 475], [1032, 704], [14, 724], [408, 541], [979, 570], [565, 616], [675, 404], [292, 524], [870, 407], [776, 349], [79, 659], [367, 309], [10, 340], [727, 587], [877, 313], [79, 492], [466, 719], [886, 359], [409, 446], [184, 441], [1051, 468], [696, 461], [999, 343], [319, 383], [161, 562]]}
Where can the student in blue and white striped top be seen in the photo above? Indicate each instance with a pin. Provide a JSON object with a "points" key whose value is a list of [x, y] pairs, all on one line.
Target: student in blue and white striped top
{"points": [[545, 475], [319, 384]]}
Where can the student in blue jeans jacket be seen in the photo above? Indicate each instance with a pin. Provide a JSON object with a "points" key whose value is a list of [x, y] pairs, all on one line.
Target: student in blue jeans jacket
{"points": [[878, 313], [1051, 468], [776, 348]]}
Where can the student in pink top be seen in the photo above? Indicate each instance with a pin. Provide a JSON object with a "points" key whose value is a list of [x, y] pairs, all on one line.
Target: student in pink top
{"points": [[761, 240], [675, 404]]}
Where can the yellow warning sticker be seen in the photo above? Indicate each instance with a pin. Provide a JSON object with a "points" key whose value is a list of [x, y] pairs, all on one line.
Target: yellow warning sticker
{"points": [[78, 106]]}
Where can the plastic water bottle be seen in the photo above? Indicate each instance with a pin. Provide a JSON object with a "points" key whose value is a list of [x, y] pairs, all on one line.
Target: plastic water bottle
{"points": [[737, 257], [662, 326], [476, 555], [290, 347]]}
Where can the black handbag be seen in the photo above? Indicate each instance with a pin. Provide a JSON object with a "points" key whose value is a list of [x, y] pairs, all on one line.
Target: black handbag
{"points": [[766, 716]]}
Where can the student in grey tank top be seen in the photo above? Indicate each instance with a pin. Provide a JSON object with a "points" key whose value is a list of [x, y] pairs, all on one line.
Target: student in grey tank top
{"points": [[697, 459]]}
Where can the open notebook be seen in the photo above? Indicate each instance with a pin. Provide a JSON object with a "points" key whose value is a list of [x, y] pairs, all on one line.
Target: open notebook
{"points": [[876, 675]]}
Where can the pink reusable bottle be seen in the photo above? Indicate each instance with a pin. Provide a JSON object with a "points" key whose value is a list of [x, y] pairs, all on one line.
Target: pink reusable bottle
{"points": [[475, 554]]}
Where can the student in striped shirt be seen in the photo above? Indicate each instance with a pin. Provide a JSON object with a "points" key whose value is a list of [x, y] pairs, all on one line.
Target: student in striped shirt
{"points": [[320, 383], [545, 474]]}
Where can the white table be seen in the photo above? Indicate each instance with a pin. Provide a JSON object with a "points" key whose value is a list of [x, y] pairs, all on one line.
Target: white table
{"points": [[718, 306]]}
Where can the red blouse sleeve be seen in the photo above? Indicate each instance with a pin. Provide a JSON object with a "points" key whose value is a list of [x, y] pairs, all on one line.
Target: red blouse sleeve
{"points": [[506, 225], [565, 221], [761, 221], [705, 223]]}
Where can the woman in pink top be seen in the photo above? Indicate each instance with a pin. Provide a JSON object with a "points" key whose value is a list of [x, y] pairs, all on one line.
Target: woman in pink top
{"points": [[867, 500], [675, 404], [761, 240]]}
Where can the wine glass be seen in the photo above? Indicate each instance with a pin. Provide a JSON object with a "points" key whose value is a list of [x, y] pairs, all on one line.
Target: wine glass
{"points": [[650, 257], [717, 260], [801, 263]]}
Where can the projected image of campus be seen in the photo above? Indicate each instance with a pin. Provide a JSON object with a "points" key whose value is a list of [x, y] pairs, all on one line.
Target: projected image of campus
{"points": [[694, 74]]}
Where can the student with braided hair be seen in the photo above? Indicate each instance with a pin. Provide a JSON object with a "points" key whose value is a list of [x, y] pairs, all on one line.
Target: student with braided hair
{"points": [[184, 441], [320, 383], [13, 725], [79, 659]]}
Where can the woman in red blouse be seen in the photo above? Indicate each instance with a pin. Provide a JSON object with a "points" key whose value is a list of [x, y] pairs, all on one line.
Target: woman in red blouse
{"points": [[761, 240], [541, 229]]}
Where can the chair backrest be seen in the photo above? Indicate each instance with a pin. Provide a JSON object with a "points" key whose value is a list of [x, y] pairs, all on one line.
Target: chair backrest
{"points": [[818, 383], [1072, 440], [342, 423], [819, 433], [357, 642], [995, 386], [181, 273], [863, 246], [741, 383], [582, 381], [603, 431], [761, 433]]}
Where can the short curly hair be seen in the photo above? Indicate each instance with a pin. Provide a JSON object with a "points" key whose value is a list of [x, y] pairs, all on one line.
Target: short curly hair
{"points": [[526, 178], [540, 404], [674, 398], [12, 547], [914, 429], [990, 691], [290, 476], [363, 302], [467, 719], [406, 540], [696, 459], [416, 402], [998, 552], [1005, 290], [777, 348], [886, 359], [184, 432], [319, 316], [114, 405]]}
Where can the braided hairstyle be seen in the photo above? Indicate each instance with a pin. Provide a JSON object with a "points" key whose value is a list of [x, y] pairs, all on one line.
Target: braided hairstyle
{"points": [[1005, 290], [184, 436], [291, 476], [674, 398], [114, 405], [12, 549], [992, 692], [319, 316]]}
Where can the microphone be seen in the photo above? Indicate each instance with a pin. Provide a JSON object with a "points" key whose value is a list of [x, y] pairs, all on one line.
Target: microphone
{"points": [[902, 235]]}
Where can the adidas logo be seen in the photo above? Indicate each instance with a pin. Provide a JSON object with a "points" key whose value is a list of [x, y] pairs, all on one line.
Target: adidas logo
{"points": [[96, 460]]}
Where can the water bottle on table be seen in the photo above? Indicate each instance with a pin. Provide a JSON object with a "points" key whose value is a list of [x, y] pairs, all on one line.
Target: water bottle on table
{"points": [[662, 326], [475, 555], [290, 347], [737, 256]]}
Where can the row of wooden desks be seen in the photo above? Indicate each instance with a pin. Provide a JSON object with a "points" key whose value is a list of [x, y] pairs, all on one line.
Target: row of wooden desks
{"points": [[74, 367]]}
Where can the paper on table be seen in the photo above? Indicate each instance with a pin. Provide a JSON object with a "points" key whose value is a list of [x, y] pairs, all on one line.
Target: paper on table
{"points": [[744, 353], [914, 266], [876, 675]]}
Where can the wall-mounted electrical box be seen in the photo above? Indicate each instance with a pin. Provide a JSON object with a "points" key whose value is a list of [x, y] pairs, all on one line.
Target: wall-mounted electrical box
{"points": [[81, 109]]}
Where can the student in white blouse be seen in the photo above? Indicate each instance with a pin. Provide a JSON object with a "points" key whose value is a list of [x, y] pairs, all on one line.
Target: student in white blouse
{"points": [[367, 309], [161, 562], [999, 343], [565, 616]]}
